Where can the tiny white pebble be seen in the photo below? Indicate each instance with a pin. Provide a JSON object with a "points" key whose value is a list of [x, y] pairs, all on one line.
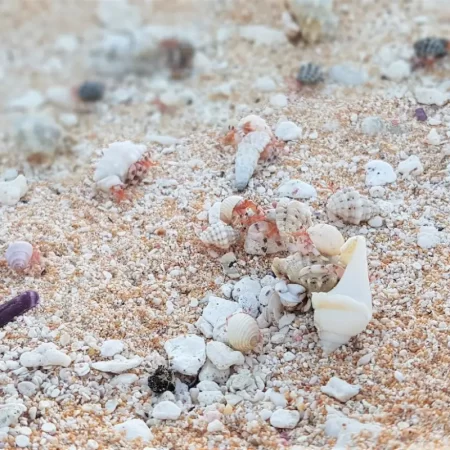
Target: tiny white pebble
{"points": [[375, 222], [48, 427], [364, 359], [279, 100], [22, 441], [399, 376]]}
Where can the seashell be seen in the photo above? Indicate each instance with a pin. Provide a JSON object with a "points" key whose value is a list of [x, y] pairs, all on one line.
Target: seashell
{"points": [[227, 206], [351, 207], [292, 216], [346, 310], [249, 124], [220, 235], [314, 19], [247, 156], [296, 189], [112, 168], [243, 332], [258, 243], [310, 74], [431, 48], [18, 255], [12, 191], [292, 296], [214, 213], [326, 238], [18, 306], [91, 91]]}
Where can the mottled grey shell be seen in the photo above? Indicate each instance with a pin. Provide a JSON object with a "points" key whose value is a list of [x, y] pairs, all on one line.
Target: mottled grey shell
{"points": [[351, 207], [310, 74], [248, 153], [220, 235], [431, 47]]}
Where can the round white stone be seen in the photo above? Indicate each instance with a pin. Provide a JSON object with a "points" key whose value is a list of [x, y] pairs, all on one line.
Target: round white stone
{"points": [[379, 173], [135, 428], [288, 131], [215, 426], [22, 441], [48, 427], [166, 411], [26, 388], [265, 84], [111, 347], [278, 100], [283, 418], [397, 70], [375, 222], [372, 126]]}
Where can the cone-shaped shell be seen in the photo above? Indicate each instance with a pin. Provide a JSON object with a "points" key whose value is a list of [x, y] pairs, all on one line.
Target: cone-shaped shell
{"points": [[18, 255], [243, 332], [248, 153], [326, 238], [351, 207], [227, 206], [220, 235], [346, 310]]}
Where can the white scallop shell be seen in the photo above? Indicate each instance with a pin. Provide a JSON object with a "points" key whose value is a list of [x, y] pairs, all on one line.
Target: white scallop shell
{"points": [[12, 191], [18, 255], [296, 189], [112, 168], [220, 235], [227, 207], [326, 238], [351, 207], [257, 243], [248, 153], [292, 216], [214, 213], [243, 332], [346, 310]]}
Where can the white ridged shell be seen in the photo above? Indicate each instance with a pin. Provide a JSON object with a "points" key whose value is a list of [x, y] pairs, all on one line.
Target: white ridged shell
{"points": [[326, 238], [112, 168], [243, 332], [351, 207], [248, 153], [292, 216], [220, 235], [227, 206], [18, 255]]}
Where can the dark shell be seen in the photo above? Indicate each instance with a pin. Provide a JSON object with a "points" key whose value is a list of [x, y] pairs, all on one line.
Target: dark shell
{"points": [[431, 48], [161, 381], [18, 306], [420, 114], [91, 91], [310, 74], [179, 55]]}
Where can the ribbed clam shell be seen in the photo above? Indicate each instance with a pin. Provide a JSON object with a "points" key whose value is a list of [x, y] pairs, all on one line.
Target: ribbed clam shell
{"points": [[248, 153], [117, 159], [227, 206], [326, 238], [243, 332], [220, 235], [292, 216], [18, 255], [351, 207]]}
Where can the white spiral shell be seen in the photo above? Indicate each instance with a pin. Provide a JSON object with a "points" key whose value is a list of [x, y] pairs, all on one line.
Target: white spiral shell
{"points": [[351, 207], [292, 216], [326, 238], [227, 206], [18, 255], [220, 235], [247, 156], [112, 168], [243, 332]]}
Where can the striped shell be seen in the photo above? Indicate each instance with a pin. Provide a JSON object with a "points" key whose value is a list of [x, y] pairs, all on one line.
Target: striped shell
{"points": [[310, 74], [292, 216], [227, 206], [18, 255], [351, 207], [326, 238], [243, 332], [112, 168], [247, 156], [220, 235], [431, 47]]}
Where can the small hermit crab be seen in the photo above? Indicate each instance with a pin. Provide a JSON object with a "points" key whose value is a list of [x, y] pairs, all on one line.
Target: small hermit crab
{"points": [[309, 74], [122, 164], [428, 50], [22, 257], [237, 211]]}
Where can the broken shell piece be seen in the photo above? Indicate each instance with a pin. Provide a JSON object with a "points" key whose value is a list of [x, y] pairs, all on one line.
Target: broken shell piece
{"points": [[326, 238], [219, 235], [214, 213], [346, 310], [292, 216], [259, 242], [292, 296], [227, 206], [228, 262], [243, 332], [12, 191], [296, 189], [351, 207], [247, 156]]}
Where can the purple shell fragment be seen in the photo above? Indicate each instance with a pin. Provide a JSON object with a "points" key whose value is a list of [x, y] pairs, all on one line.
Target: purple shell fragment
{"points": [[17, 306], [420, 114]]}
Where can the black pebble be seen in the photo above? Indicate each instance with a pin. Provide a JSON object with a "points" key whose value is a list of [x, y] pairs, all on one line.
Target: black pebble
{"points": [[91, 91], [161, 381]]}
